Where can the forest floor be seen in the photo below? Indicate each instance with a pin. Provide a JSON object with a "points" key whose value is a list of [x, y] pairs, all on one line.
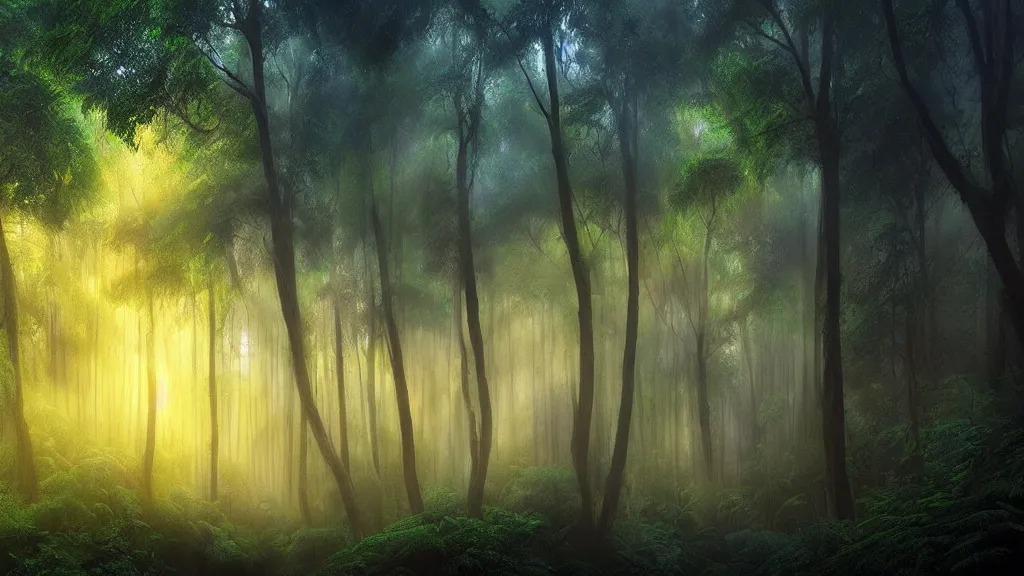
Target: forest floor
{"points": [[961, 515]]}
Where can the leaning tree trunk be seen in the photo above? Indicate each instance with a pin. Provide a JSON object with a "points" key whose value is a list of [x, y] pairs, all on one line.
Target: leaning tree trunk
{"points": [[412, 483], [476, 338], [26, 471], [581, 277], [627, 130], [283, 249], [214, 429], [339, 367], [151, 391]]}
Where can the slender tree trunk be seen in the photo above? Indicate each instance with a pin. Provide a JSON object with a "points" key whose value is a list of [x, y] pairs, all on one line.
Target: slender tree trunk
{"points": [[467, 398], [371, 376], [627, 132], [581, 276], [472, 300], [214, 428], [412, 483], [281, 228], [26, 471], [151, 394], [339, 369]]}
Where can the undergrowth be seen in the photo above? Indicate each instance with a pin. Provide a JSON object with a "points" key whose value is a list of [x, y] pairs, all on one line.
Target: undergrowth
{"points": [[961, 513]]}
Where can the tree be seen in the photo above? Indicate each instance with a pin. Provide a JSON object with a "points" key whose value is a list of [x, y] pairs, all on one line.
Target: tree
{"points": [[540, 21], [201, 227], [785, 30], [635, 60], [466, 79], [990, 32], [707, 182], [46, 172], [188, 41]]}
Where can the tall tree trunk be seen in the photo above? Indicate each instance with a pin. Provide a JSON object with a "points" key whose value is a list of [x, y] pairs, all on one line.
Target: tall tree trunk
{"points": [[339, 368], [214, 428], [151, 393], [467, 136], [282, 236], [837, 483], [833, 405], [627, 132], [412, 483], [371, 375], [467, 398], [581, 276], [26, 471]]}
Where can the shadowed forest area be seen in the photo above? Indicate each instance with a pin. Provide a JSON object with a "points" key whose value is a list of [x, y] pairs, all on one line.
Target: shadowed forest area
{"points": [[511, 286]]}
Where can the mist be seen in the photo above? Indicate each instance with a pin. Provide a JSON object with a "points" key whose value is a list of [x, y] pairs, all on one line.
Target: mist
{"points": [[523, 287]]}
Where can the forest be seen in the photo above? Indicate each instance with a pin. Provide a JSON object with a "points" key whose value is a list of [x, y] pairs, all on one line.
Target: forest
{"points": [[511, 286]]}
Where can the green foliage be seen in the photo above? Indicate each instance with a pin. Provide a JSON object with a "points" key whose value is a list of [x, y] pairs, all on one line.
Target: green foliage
{"points": [[708, 179], [309, 548], [963, 515], [551, 492], [131, 59], [501, 543], [46, 164]]}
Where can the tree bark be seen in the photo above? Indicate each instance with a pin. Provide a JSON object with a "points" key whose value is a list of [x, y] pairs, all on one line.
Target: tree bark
{"points": [[581, 277], [214, 428], [467, 399], [467, 272], [833, 406], [26, 471], [412, 483], [627, 133], [282, 245], [371, 375]]}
